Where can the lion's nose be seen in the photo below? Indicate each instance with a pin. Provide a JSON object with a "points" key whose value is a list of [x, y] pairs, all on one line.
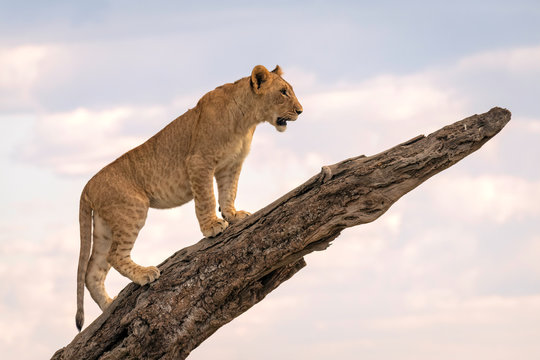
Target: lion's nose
{"points": [[299, 111]]}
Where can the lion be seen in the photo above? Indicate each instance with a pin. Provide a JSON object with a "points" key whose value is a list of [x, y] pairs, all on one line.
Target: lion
{"points": [[174, 166]]}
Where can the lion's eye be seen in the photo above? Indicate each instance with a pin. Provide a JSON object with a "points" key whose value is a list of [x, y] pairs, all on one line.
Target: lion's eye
{"points": [[284, 92]]}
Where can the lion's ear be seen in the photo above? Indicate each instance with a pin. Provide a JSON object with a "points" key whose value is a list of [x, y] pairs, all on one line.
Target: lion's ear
{"points": [[278, 70], [260, 76]]}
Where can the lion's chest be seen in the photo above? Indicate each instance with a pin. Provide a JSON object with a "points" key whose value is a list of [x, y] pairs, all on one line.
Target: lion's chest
{"points": [[235, 151]]}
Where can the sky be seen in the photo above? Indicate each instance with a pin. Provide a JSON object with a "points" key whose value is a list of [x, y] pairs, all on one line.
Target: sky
{"points": [[450, 271]]}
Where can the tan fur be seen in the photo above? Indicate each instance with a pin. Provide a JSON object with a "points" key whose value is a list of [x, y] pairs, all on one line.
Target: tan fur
{"points": [[171, 168]]}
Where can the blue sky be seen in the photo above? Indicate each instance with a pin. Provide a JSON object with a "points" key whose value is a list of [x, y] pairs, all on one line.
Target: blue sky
{"points": [[450, 271]]}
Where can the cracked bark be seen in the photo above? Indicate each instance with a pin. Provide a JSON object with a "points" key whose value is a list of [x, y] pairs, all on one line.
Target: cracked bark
{"points": [[204, 286]]}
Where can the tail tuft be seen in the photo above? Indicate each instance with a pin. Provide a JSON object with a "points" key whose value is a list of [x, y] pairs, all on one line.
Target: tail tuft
{"points": [[79, 319]]}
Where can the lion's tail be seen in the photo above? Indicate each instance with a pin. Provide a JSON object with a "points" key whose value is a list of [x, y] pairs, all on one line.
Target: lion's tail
{"points": [[85, 222]]}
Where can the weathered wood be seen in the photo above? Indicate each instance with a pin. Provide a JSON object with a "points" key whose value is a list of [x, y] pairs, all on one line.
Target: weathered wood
{"points": [[204, 286]]}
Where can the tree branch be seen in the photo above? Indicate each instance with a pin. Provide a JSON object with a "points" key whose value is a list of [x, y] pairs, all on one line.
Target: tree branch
{"points": [[204, 286]]}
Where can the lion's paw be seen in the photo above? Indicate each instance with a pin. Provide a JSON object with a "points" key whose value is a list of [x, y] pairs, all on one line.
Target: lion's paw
{"points": [[146, 275], [214, 227], [241, 215], [236, 216]]}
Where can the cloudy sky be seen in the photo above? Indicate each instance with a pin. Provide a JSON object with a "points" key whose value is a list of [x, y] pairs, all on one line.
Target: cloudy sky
{"points": [[451, 271]]}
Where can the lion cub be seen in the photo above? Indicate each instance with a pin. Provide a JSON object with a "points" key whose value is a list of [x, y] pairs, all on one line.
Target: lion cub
{"points": [[171, 168]]}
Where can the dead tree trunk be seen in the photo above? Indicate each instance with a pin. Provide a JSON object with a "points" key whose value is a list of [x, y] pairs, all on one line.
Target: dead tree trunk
{"points": [[204, 286]]}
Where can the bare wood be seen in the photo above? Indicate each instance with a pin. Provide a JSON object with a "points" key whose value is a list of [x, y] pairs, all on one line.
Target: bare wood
{"points": [[204, 286]]}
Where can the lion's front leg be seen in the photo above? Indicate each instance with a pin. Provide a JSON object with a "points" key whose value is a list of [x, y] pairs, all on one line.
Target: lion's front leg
{"points": [[227, 182], [201, 180]]}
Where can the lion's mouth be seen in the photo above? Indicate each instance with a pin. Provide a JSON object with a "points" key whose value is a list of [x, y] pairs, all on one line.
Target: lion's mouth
{"points": [[282, 121]]}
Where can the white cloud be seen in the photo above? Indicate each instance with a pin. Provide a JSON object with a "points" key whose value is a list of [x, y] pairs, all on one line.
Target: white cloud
{"points": [[524, 60], [271, 171], [379, 112], [500, 198], [359, 249], [387, 98], [529, 125], [436, 308], [20, 65], [30, 72], [38, 288], [20, 69], [82, 141]]}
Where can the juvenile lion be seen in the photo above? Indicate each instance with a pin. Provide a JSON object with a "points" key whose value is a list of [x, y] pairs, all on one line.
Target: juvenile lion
{"points": [[171, 168]]}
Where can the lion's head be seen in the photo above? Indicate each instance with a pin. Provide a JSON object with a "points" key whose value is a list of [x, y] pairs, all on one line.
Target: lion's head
{"points": [[279, 101]]}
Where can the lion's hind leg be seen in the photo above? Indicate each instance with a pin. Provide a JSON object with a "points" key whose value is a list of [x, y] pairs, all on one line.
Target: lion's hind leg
{"points": [[128, 221], [98, 266]]}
